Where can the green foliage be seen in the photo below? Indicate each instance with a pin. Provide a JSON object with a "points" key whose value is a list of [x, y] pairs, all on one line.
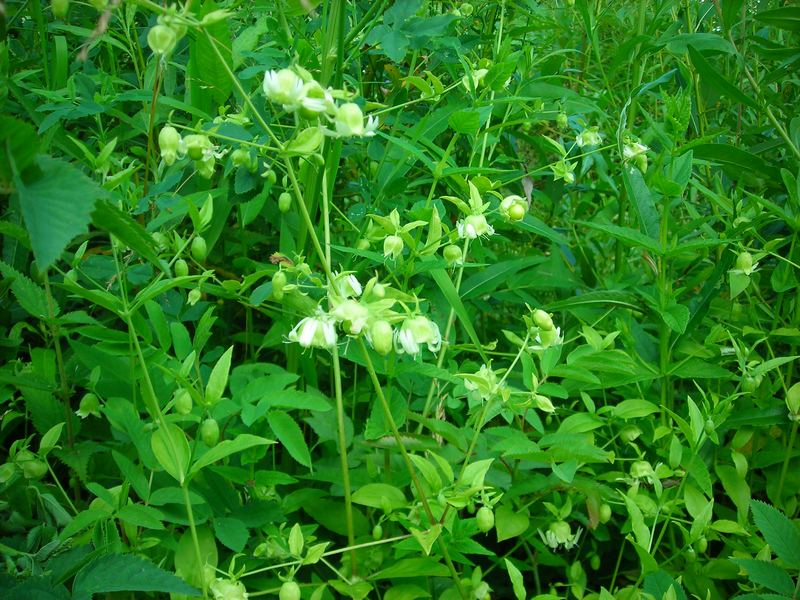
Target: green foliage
{"points": [[400, 299]]}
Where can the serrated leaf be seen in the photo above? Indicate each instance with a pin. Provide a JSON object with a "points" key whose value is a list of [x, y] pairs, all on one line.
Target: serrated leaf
{"points": [[18, 143], [126, 573], [779, 532], [31, 297], [141, 516], [767, 574], [231, 532], [290, 436], [56, 206]]}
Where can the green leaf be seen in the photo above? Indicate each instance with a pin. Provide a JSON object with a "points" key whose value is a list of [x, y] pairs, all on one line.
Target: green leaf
{"points": [[231, 532], [209, 83], [241, 442], [218, 380], [376, 495], [171, 449], [453, 299], [767, 574], [779, 532], [126, 573], [290, 436], [141, 516], [735, 160], [626, 234], [787, 17], [716, 80], [31, 297], [704, 42], [517, 582], [634, 409], [640, 530], [18, 143], [465, 121], [412, 567], [57, 206], [509, 523], [427, 538], [109, 218], [642, 202], [306, 142]]}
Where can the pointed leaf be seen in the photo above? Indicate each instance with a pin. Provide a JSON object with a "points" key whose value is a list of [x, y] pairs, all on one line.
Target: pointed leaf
{"points": [[290, 436], [126, 573], [241, 442], [779, 531]]}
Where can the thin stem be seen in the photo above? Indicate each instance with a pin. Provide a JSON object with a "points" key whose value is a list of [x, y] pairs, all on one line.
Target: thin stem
{"points": [[348, 503], [787, 458], [195, 541], [55, 331], [404, 453]]}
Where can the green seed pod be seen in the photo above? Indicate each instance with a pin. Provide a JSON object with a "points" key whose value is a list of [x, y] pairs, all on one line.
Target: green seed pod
{"points": [[516, 212], [209, 432], [161, 39], [160, 239], [271, 177], [32, 467], [377, 532], [181, 268], [183, 401], [594, 562], [289, 591], [485, 519], [561, 120], [744, 262], [278, 283], [285, 202], [199, 249], [604, 513], [466, 9], [701, 545], [543, 320]]}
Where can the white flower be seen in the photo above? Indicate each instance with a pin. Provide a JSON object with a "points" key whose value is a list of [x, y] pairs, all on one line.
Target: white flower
{"points": [[349, 121], [414, 332], [546, 338], [560, 534], [315, 99], [347, 285], [476, 78], [352, 315], [589, 137], [226, 589], [284, 87], [474, 226], [318, 331]]}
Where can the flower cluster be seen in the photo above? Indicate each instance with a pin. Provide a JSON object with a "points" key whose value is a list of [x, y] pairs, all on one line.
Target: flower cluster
{"points": [[297, 91], [198, 147], [357, 310]]}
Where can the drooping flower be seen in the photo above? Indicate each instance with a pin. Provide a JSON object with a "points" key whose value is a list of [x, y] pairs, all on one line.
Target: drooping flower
{"points": [[559, 533], [284, 87], [636, 153], [347, 285], [474, 226], [352, 315], [414, 332], [380, 335], [393, 246], [564, 170], [318, 331], [349, 122], [589, 137], [227, 589]]}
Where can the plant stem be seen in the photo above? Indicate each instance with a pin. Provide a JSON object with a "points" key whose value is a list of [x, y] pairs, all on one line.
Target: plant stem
{"points": [[195, 541], [404, 453], [786, 460], [348, 502]]}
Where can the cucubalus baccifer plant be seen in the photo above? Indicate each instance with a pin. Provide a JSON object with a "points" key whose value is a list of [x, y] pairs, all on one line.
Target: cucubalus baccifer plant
{"points": [[397, 304]]}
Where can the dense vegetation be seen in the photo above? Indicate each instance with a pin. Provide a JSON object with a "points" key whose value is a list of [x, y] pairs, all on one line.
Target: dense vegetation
{"points": [[399, 299]]}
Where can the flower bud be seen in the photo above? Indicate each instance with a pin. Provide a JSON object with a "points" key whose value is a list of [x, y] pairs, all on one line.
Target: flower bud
{"points": [[604, 513], [561, 531], [199, 249], [161, 39], [278, 283], [380, 336], [641, 468], [543, 320], [352, 315], [183, 401], [209, 432], [181, 268], [227, 589], [350, 121], [169, 142], [561, 120], [194, 296], [589, 137], [744, 262], [284, 202], [32, 467], [485, 519]]}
